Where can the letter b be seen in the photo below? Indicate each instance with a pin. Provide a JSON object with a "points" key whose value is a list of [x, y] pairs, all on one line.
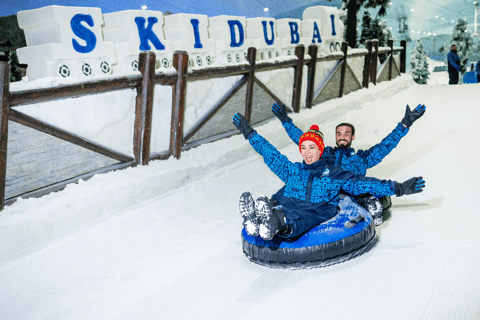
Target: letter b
{"points": [[295, 36]]}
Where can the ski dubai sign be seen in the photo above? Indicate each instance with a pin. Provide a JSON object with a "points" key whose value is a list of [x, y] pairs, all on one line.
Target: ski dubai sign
{"points": [[81, 42]]}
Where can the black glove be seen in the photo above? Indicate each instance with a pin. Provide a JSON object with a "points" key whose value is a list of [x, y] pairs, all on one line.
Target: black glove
{"points": [[411, 186], [242, 124], [412, 116], [280, 111]]}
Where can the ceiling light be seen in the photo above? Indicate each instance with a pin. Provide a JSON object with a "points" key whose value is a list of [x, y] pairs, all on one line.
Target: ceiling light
{"points": [[436, 16], [412, 9], [144, 7], [265, 9], [453, 21], [443, 18], [434, 34], [418, 31]]}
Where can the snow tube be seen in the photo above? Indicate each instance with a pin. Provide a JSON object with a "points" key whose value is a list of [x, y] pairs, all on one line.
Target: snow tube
{"points": [[347, 235]]}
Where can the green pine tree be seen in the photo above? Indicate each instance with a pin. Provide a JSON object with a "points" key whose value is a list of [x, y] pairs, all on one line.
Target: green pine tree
{"points": [[366, 28], [353, 6], [419, 64], [463, 39]]}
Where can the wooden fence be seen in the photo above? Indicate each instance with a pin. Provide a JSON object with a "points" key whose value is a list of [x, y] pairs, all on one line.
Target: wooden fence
{"points": [[334, 86]]}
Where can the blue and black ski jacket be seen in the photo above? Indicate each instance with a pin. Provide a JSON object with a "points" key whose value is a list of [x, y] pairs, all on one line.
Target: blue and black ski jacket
{"points": [[347, 158], [314, 189]]}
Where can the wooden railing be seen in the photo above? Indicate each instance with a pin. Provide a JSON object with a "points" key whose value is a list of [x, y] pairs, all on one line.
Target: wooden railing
{"points": [[144, 84]]}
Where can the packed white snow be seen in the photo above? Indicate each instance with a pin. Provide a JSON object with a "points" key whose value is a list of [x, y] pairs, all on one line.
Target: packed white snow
{"points": [[163, 241]]}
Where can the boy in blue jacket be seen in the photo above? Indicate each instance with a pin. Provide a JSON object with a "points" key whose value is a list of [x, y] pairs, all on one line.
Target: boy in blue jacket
{"points": [[345, 157], [312, 187]]}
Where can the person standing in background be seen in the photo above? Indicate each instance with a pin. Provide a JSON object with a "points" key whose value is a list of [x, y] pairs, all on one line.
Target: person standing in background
{"points": [[453, 65], [477, 71]]}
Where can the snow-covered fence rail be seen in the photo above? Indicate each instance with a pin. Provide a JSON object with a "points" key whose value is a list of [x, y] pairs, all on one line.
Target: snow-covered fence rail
{"points": [[335, 81]]}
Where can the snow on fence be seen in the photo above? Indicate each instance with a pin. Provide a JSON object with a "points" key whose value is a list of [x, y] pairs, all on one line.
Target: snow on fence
{"points": [[316, 85]]}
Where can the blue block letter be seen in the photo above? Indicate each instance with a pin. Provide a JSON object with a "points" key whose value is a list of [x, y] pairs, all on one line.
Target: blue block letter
{"points": [[316, 33], [146, 34], [233, 37], [265, 33], [294, 32], [195, 23], [83, 33], [332, 17]]}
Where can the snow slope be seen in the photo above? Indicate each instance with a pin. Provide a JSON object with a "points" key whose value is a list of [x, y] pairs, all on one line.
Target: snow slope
{"points": [[163, 241]]}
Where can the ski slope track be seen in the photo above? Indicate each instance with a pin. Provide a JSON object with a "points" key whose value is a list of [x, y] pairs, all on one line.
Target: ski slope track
{"points": [[163, 241]]}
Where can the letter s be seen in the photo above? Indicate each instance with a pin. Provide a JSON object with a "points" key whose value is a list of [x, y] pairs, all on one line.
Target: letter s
{"points": [[83, 33]]}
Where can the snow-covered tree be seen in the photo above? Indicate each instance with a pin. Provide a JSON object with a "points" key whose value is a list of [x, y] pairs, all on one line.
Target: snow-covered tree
{"points": [[353, 6], [375, 29], [463, 39], [342, 15], [366, 33], [419, 64]]}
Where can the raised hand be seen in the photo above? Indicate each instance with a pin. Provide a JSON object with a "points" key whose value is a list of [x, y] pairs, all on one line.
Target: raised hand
{"points": [[280, 111], [242, 124], [412, 116], [411, 186]]}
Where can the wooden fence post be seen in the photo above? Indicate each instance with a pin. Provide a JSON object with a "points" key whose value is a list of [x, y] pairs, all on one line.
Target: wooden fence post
{"points": [[374, 62], [403, 56], [143, 109], [312, 66], [344, 68], [251, 56], [390, 62], [366, 65], [298, 77], [4, 98], [179, 88]]}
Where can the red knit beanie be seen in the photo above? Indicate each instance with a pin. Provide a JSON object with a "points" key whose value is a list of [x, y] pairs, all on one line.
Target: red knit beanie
{"points": [[313, 134]]}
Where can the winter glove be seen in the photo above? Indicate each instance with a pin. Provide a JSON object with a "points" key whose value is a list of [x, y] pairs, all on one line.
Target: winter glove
{"points": [[412, 116], [411, 186], [242, 124], [280, 111]]}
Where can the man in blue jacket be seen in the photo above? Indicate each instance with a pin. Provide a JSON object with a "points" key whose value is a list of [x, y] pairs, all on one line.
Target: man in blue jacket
{"points": [[358, 162], [312, 187], [453, 65], [477, 71]]}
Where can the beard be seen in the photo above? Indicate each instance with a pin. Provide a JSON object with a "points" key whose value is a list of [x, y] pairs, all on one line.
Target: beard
{"points": [[346, 145]]}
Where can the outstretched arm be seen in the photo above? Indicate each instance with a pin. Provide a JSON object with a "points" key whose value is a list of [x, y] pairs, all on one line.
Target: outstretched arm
{"points": [[292, 130], [359, 185], [278, 163], [378, 152]]}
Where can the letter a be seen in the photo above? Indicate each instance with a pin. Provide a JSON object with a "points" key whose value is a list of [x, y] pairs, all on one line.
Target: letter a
{"points": [[295, 36], [233, 37], [316, 33], [83, 33], [146, 34]]}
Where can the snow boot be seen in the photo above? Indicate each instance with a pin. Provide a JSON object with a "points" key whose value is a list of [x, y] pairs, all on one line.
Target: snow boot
{"points": [[246, 205], [271, 221], [386, 202], [373, 205]]}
